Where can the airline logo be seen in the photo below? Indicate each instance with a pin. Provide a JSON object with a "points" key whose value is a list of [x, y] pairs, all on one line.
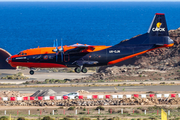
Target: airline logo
{"points": [[158, 27]]}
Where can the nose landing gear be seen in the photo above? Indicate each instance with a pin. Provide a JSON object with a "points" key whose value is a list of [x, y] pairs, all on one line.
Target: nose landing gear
{"points": [[31, 72], [80, 69]]}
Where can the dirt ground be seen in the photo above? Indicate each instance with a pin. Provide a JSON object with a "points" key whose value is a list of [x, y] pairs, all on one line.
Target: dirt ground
{"points": [[129, 112], [149, 74]]}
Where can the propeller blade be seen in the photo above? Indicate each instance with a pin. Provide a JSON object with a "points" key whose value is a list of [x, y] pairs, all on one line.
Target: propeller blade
{"points": [[54, 45], [62, 51], [57, 50]]}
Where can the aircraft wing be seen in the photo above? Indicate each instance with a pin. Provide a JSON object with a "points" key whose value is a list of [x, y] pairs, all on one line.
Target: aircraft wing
{"points": [[79, 49]]}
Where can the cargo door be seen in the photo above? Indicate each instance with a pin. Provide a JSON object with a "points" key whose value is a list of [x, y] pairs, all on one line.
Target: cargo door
{"points": [[66, 57]]}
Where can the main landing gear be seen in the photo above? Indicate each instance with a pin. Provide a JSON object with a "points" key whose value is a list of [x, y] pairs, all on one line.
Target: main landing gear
{"points": [[80, 69]]}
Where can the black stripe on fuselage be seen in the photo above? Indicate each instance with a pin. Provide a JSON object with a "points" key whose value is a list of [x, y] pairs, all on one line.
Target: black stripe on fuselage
{"points": [[50, 58]]}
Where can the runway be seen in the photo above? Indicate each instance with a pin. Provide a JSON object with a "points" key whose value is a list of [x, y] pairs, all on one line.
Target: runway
{"points": [[99, 89], [40, 75]]}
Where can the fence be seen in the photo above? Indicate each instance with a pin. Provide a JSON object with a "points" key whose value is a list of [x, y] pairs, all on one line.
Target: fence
{"points": [[89, 97], [76, 112]]}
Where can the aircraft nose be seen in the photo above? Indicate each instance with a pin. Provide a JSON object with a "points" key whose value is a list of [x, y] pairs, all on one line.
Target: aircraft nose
{"points": [[7, 60]]}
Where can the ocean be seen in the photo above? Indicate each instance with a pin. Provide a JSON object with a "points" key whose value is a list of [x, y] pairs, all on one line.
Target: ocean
{"points": [[25, 25]]}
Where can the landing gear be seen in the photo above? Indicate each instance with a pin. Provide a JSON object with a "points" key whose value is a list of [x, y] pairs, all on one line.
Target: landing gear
{"points": [[77, 70], [31, 72], [80, 69], [84, 70]]}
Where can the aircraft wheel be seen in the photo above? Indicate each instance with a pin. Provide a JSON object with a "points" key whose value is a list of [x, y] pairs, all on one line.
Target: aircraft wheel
{"points": [[77, 70], [84, 70], [31, 72]]}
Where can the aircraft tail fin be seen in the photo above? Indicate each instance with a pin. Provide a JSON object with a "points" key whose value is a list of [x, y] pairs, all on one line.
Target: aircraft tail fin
{"points": [[158, 26]]}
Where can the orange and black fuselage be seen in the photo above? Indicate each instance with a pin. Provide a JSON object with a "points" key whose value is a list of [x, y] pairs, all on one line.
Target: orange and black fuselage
{"points": [[90, 55], [46, 58]]}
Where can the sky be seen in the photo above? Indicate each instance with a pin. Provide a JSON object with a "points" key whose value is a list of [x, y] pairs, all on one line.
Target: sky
{"points": [[90, 0]]}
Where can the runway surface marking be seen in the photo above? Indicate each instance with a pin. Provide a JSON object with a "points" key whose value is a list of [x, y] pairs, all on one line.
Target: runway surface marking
{"points": [[102, 89], [120, 88], [135, 89]]}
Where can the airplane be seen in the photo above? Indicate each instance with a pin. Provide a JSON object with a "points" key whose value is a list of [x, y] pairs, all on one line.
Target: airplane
{"points": [[81, 56]]}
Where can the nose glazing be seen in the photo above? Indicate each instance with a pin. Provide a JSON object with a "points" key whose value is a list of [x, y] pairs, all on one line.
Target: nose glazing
{"points": [[8, 59]]}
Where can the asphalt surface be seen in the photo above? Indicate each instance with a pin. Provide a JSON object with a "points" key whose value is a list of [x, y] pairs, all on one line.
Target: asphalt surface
{"points": [[40, 75], [99, 89]]}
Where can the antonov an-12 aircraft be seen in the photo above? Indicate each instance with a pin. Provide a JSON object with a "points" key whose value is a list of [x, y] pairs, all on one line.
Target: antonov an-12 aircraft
{"points": [[81, 56]]}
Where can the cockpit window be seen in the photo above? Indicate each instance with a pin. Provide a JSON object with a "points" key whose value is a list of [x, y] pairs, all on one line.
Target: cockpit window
{"points": [[21, 53]]}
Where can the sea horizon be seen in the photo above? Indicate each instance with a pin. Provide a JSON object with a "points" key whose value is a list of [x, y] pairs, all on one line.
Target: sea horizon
{"points": [[27, 25]]}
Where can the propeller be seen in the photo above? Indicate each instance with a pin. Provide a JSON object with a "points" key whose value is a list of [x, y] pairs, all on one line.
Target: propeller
{"points": [[62, 51], [58, 50], [54, 45]]}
